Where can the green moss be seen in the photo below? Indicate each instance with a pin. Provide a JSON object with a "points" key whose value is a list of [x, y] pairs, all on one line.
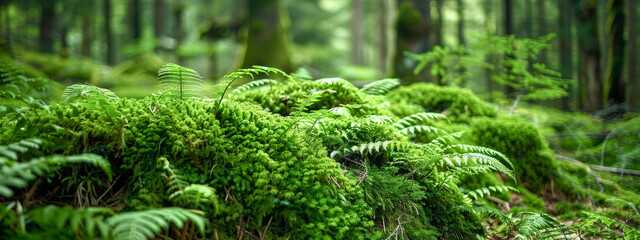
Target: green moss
{"points": [[521, 142], [460, 105], [282, 98]]}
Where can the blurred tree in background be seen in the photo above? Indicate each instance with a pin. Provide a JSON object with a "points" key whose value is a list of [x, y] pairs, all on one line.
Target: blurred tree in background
{"points": [[357, 40]]}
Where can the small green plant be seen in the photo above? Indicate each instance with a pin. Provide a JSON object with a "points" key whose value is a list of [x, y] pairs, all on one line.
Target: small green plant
{"points": [[180, 82]]}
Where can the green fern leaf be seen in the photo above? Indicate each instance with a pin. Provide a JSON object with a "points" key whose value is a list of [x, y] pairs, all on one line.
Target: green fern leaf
{"points": [[418, 118], [86, 91], [180, 82], [253, 84], [380, 87], [145, 224]]}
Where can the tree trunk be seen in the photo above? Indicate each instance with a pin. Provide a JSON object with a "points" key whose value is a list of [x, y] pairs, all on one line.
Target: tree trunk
{"points": [[383, 12], [108, 33], [439, 24], [412, 28], [47, 23], [86, 36], [488, 10], [508, 16], [528, 23], [268, 41], [589, 50], [543, 28], [136, 28], [614, 85], [178, 32], [460, 22], [356, 33], [633, 54], [566, 45], [159, 15]]}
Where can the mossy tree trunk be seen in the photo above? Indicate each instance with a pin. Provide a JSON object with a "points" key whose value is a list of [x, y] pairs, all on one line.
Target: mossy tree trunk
{"points": [[268, 39], [614, 85], [413, 23]]}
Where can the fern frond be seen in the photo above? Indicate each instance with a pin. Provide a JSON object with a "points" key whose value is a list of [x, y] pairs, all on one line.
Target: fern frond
{"points": [[180, 82], [252, 84], [87, 220], [421, 128], [333, 81], [446, 139], [145, 224], [312, 98], [377, 147], [380, 87], [302, 74], [478, 149], [377, 119], [538, 225], [18, 174], [418, 118], [86, 91], [459, 159], [486, 191], [12, 150]]}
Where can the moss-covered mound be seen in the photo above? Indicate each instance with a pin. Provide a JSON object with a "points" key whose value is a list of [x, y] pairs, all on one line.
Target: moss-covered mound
{"points": [[461, 105], [260, 172], [519, 140], [282, 98]]}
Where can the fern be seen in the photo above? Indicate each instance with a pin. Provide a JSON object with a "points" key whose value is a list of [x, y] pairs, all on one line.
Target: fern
{"points": [[333, 81], [417, 119], [180, 82], [538, 225], [380, 87], [138, 225], [252, 84], [460, 159], [190, 196], [486, 191], [17, 174], [86, 91], [421, 128], [145, 224], [252, 72], [302, 74], [478, 149], [85, 220]]}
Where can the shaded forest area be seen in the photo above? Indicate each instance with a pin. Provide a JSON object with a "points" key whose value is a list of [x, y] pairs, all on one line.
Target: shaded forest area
{"points": [[319, 119]]}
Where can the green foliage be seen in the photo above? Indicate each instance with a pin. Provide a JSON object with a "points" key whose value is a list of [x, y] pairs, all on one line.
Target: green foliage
{"points": [[94, 221], [380, 87], [17, 173], [180, 82], [527, 225], [446, 64], [251, 73], [282, 98], [521, 142], [459, 105], [516, 66]]}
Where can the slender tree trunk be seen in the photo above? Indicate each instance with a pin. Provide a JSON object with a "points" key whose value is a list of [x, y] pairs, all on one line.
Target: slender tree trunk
{"points": [[543, 27], [136, 27], [528, 23], [488, 10], [7, 27], [356, 32], [268, 41], [590, 53], [47, 23], [460, 22], [178, 32], [508, 17], [412, 34], [614, 85], [108, 33], [633, 54], [86, 36], [383, 21], [439, 24], [159, 15], [566, 45]]}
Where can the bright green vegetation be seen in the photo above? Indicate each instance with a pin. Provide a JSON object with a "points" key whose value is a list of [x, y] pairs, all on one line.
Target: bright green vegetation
{"points": [[288, 157]]}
